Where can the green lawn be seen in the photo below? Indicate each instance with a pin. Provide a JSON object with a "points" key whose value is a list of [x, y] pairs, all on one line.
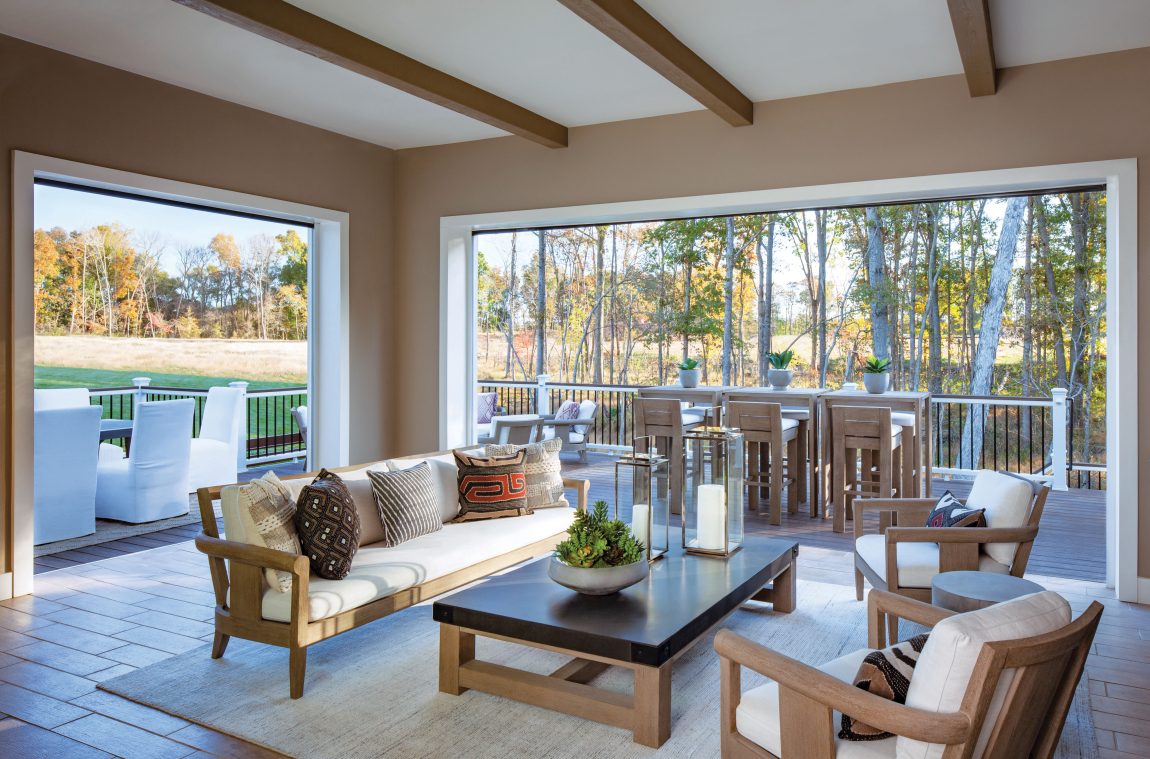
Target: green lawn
{"points": [[67, 376]]}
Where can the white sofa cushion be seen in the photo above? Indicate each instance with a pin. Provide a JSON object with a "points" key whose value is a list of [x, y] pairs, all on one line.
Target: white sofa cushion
{"points": [[947, 661], [445, 475], [370, 525], [917, 562], [757, 716], [1007, 503], [377, 572]]}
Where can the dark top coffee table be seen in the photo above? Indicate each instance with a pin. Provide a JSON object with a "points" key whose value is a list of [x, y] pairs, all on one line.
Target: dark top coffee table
{"points": [[971, 590], [644, 628]]}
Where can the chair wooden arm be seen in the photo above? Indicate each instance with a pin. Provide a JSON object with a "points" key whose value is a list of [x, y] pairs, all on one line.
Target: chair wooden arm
{"points": [[582, 490], [881, 604], [258, 556], [961, 534], [829, 691], [891, 511]]}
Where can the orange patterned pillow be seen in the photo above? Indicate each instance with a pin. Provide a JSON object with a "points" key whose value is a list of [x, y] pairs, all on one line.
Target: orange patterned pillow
{"points": [[491, 487]]}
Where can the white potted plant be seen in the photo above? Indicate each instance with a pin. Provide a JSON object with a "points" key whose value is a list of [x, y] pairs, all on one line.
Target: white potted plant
{"points": [[876, 375], [779, 375], [689, 373], [600, 556]]}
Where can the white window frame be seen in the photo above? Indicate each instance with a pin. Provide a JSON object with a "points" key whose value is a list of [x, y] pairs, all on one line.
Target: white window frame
{"points": [[458, 276], [328, 324]]}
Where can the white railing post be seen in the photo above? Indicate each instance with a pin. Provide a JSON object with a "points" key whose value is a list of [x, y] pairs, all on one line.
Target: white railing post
{"points": [[542, 397], [1058, 450], [242, 431], [139, 395]]}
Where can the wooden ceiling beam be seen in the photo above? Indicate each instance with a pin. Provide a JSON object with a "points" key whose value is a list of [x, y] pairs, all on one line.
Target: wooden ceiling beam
{"points": [[971, 22], [296, 28], [639, 33]]}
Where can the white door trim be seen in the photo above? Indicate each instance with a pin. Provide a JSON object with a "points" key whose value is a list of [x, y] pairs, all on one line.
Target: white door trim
{"points": [[328, 329], [457, 296]]}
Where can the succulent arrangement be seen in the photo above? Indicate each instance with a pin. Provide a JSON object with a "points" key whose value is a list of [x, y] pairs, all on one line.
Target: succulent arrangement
{"points": [[875, 365], [594, 541], [688, 364], [780, 360]]}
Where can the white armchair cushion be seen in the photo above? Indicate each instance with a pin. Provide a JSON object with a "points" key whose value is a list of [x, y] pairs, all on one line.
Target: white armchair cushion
{"points": [[947, 661], [917, 562], [757, 716], [1007, 503]]}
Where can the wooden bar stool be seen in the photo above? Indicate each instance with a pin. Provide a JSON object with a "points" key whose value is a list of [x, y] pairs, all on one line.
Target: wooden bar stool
{"points": [[662, 418], [864, 432], [911, 481], [765, 432], [803, 417]]}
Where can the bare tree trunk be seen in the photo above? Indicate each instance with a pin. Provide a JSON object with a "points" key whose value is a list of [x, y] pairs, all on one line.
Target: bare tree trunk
{"points": [[1054, 311], [597, 334], [728, 301], [990, 330], [509, 308], [614, 315], [541, 308], [766, 265], [915, 347], [876, 276], [821, 241], [1028, 305], [687, 310]]}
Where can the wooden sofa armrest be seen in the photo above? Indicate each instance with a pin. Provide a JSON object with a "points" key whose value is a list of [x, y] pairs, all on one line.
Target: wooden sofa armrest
{"points": [[817, 686], [881, 604], [246, 580], [961, 534], [258, 556], [582, 490]]}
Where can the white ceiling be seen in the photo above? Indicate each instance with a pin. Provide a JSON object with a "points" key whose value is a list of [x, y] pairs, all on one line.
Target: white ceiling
{"points": [[540, 55]]}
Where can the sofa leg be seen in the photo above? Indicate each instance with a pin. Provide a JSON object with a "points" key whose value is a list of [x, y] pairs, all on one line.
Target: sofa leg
{"points": [[220, 644], [297, 665]]}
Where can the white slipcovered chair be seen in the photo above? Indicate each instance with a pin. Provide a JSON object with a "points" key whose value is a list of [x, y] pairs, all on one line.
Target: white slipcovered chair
{"points": [[65, 452], [64, 397], [299, 414], [215, 451], [997, 682], [152, 483], [573, 432]]}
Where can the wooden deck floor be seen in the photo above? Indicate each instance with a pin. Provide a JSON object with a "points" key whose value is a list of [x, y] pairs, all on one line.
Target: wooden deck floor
{"points": [[1071, 539]]}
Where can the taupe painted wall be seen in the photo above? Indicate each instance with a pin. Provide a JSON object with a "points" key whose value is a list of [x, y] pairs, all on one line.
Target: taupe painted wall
{"points": [[1068, 111], [58, 105]]}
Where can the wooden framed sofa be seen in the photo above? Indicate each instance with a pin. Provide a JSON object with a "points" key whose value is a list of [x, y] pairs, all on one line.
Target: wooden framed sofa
{"points": [[997, 682], [382, 580], [904, 555]]}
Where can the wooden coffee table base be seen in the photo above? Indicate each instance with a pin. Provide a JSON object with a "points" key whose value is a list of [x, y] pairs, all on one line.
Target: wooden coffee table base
{"points": [[646, 713]]}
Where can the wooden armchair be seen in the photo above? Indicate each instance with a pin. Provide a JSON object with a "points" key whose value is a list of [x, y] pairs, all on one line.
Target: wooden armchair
{"points": [[1043, 672], [905, 555]]}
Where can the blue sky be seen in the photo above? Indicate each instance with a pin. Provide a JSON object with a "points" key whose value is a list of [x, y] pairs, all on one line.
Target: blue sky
{"points": [[175, 228]]}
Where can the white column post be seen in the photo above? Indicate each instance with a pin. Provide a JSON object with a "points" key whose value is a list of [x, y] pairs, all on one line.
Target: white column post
{"points": [[542, 397], [139, 394], [242, 429], [1058, 449]]}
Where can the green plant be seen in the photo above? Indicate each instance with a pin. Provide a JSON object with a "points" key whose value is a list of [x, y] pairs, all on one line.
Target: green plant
{"points": [[688, 364], [594, 541], [876, 365], [780, 360]]}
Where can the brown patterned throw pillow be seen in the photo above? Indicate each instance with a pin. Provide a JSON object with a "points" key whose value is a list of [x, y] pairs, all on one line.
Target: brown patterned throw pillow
{"points": [[543, 469], [884, 673], [328, 525], [492, 487]]}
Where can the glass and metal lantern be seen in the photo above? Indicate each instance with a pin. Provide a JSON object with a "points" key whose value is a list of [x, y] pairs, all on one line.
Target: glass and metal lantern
{"points": [[641, 479], [713, 491]]}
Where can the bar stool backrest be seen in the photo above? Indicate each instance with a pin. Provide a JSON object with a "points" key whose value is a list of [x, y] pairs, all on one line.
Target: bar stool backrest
{"points": [[658, 417], [756, 419], [865, 427]]}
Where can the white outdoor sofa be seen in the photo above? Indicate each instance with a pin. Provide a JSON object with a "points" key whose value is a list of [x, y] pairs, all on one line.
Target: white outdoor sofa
{"points": [[382, 580]]}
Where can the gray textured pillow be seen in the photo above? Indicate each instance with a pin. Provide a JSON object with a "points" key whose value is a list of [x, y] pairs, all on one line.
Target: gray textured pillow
{"points": [[406, 502], [543, 470]]}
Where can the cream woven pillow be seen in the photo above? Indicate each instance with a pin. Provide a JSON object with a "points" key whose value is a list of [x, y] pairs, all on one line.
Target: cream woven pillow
{"points": [[272, 509], [543, 469]]}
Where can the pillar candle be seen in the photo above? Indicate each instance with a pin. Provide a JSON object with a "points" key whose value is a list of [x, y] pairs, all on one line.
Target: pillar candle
{"points": [[640, 519], [712, 517]]}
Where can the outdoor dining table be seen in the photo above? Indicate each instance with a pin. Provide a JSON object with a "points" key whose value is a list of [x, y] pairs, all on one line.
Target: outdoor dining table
{"points": [[914, 402], [801, 403], [707, 395], [116, 429]]}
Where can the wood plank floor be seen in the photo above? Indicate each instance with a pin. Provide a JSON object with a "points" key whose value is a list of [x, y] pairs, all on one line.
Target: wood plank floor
{"points": [[94, 620]]}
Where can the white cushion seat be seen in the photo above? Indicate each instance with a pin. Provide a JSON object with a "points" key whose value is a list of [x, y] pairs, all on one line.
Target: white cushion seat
{"points": [[902, 419], [790, 424], [918, 563], [796, 413], [757, 716], [378, 571]]}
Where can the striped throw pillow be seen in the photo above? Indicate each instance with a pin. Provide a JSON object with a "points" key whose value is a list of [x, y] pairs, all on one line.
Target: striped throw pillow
{"points": [[406, 503], [884, 673]]}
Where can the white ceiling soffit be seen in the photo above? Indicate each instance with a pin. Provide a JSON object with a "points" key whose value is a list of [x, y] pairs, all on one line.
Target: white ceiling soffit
{"points": [[165, 41], [535, 53], [1032, 31]]}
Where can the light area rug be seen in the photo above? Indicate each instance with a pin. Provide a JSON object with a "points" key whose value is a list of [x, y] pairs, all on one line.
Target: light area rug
{"points": [[373, 692]]}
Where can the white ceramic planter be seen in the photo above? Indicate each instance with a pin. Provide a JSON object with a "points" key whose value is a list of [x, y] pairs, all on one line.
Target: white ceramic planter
{"points": [[597, 582], [689, 377], [877, 383], [780, 378]]}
